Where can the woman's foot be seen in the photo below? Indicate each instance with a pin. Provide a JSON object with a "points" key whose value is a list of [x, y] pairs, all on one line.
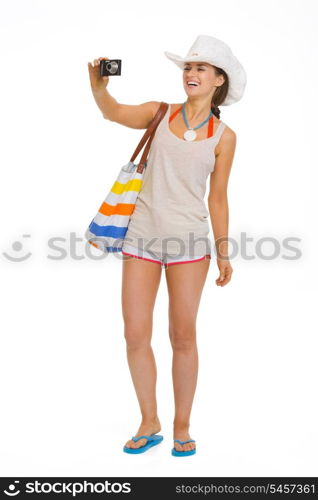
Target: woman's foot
{"points": [[182, 433], [146, 428]]}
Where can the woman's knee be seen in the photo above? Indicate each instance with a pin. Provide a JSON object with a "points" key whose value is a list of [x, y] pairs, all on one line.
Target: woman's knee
{"points": [[182, 337], [138, 334]]}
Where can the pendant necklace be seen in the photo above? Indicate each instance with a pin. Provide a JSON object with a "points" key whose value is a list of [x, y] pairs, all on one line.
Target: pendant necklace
{"points": [[190, 134]]}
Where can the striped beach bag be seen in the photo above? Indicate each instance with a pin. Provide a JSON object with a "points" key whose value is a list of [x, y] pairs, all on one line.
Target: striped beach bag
{"points": [[108, 228]]}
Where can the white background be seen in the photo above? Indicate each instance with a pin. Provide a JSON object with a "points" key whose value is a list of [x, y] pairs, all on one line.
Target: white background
{"points": [[68, 403]]}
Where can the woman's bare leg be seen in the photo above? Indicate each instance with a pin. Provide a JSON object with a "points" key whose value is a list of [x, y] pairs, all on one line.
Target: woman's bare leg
{"points": [[185, 284], [140, 283]]}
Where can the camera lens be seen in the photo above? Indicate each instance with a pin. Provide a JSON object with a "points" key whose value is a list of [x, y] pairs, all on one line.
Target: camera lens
{"points": [[112, 67]]}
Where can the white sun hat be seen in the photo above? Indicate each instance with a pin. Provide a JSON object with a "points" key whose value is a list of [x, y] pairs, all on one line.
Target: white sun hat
{"points": [[213, 51]]}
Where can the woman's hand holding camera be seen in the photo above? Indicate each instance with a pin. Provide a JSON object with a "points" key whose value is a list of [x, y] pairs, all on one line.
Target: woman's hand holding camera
{"points": [[97, 82]]}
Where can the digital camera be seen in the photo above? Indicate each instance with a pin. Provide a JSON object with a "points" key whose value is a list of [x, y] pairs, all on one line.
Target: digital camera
{"points": [[110, 67]]}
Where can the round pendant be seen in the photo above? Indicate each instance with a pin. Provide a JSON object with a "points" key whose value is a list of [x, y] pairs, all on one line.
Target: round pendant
{"points": [[190, 135]]}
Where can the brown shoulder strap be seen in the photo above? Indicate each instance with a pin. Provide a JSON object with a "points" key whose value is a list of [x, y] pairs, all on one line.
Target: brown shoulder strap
{"points": [[149, 134]]}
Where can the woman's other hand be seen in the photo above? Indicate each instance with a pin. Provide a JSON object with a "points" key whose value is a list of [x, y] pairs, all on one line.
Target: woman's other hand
{"points": [[226, 270]]}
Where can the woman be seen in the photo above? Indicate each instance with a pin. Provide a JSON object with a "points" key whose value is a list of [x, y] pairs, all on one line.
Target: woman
{"points": [[190, 143]]}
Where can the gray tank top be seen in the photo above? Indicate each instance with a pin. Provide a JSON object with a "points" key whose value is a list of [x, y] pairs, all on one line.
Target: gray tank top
{"points": [[170, 213]]}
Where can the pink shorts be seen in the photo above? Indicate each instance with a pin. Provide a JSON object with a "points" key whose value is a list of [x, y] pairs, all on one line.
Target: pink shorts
{"points": [[164, 260]]}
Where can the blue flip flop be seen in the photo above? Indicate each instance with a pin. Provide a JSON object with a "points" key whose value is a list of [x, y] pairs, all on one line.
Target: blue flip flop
{"points": [[153, 440], [176, 453]]}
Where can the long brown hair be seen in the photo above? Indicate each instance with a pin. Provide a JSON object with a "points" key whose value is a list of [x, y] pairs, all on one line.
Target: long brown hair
{"points": [[220, 92]]}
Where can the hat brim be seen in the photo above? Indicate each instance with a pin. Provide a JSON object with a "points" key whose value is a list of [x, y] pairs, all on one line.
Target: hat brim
{"points": [[180, 61]]}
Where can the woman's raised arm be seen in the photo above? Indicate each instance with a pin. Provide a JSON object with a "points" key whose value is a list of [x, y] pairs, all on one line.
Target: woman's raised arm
{"points": [[133, 116]]}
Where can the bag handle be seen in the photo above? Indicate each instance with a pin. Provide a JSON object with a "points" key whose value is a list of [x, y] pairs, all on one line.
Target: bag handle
{"points": [[144, 157], [149, 134]]}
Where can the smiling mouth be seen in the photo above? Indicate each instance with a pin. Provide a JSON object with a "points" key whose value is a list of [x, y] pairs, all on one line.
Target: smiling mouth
{"points": [[192, 85]]}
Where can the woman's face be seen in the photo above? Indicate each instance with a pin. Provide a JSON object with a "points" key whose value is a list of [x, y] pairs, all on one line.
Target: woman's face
{"points": [[204, 75]]}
